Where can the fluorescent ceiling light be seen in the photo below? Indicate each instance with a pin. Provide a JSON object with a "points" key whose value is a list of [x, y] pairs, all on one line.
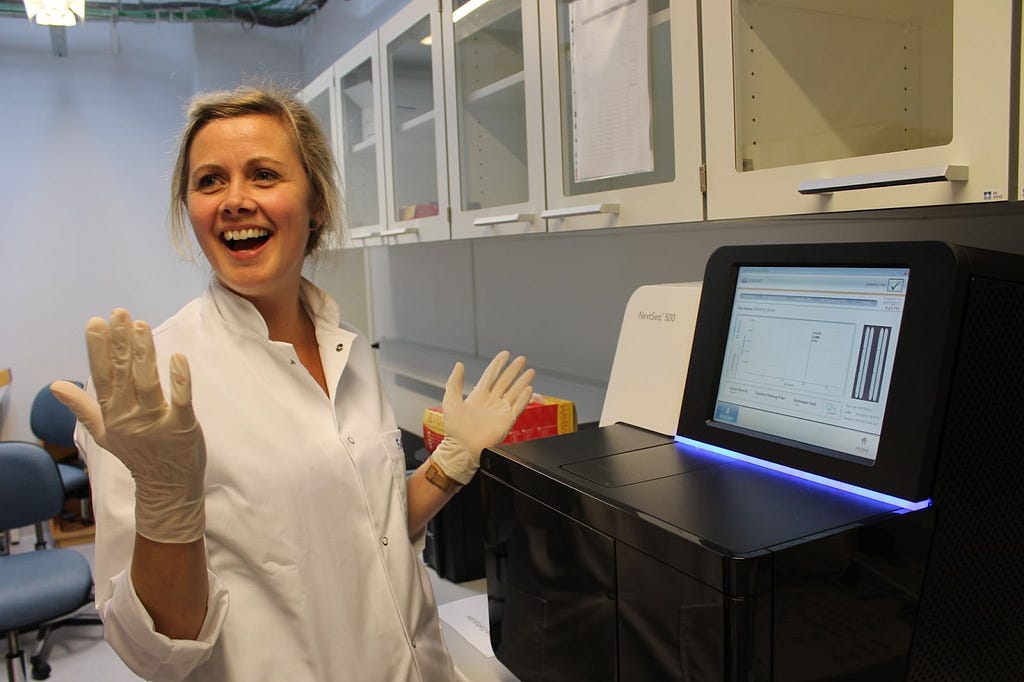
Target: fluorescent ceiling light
{"points": [[460, 13], [55, 12]]}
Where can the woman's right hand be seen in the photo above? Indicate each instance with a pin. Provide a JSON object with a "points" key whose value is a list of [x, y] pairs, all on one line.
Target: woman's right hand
{"points": [[161, 444]]}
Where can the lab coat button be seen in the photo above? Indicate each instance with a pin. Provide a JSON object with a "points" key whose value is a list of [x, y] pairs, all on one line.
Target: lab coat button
{"points": [[351, 440], [413, 643], [384, 540], [340, 347]]}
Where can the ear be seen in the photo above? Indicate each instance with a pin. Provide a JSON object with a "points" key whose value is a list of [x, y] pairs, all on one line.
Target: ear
{"points": [[317, 213]]}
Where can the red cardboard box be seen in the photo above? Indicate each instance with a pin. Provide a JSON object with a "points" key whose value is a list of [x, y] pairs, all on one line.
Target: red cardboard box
{"points": [[544, 416]]}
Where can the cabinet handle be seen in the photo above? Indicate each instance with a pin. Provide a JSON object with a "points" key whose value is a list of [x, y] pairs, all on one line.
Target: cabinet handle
{"points": [[367, 235], [911, 176], [397, 231], [589, 209], [502, 219]]}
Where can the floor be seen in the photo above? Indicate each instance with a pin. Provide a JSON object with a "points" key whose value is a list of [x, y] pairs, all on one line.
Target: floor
{"points": [[80, 654]]}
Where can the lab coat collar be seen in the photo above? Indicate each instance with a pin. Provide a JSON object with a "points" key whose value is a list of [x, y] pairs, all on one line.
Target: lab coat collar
{"points": [[238, 312]]}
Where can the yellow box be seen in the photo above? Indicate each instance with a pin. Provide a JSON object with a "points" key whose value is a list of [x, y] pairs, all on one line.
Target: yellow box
{"points": [[543, 416]]}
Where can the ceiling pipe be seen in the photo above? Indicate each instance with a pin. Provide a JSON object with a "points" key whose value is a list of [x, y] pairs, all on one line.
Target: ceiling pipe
{"points": [[267, 13]]}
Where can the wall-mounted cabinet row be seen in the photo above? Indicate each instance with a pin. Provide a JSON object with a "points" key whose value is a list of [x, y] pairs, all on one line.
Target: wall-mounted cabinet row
{"points": [[488, 117]]}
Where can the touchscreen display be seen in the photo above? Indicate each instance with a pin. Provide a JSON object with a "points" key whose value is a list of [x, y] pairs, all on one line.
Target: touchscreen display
{"points": [[809, 355]]}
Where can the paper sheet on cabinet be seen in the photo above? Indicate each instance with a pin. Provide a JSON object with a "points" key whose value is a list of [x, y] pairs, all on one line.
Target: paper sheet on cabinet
{"points": [[469, 618], [611, 95]]}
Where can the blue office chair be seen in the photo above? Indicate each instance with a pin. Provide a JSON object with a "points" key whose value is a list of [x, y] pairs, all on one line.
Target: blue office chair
{"points": [[54, 424], [43, 589]]}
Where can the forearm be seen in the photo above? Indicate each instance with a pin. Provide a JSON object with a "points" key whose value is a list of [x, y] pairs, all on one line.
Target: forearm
{"points": [[424, 499], [171, 581]]}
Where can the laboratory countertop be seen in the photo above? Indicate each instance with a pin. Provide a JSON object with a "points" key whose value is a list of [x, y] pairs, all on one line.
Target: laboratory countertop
{"points": [[471, 664]]}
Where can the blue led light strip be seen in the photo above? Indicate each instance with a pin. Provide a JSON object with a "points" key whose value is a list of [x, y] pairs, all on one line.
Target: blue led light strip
{"points": [[832, 483]]}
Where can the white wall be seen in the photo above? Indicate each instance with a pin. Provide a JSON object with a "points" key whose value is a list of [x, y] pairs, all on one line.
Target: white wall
{"points": [[337, 27], [88, 146]]}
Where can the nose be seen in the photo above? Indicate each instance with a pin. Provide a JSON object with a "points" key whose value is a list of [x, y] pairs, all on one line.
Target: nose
{"points": [[236, 199]]}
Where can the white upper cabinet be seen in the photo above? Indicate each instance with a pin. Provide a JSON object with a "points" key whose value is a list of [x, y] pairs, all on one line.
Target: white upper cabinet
{"points": [[495, 142], [834, 105], [412, 92], [358, 148], [319, 97], [622, 129]]}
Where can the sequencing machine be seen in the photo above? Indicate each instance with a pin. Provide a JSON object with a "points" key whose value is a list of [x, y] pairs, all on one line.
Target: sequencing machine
{"points": [[842, 499]]}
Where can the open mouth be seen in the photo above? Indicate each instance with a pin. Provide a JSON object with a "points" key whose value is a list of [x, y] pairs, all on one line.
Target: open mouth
{"points": [[245, 240]]}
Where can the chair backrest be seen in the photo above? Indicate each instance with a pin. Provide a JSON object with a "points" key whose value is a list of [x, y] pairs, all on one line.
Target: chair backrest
{"points": [[51, 421], [30, 485]]}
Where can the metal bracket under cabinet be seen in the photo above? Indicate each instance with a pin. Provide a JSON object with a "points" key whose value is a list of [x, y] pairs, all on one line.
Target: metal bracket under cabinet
{"points": [[399, 231], [912, 176], [503, 219], [364, 235], [589, 209]]}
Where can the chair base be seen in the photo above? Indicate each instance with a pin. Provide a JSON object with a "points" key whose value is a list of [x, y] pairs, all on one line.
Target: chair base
{"points": [[15, 659], [16, 670]]}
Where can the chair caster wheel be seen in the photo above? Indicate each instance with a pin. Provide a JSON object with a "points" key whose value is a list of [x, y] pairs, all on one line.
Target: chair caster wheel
{"points": [[40, 671]]}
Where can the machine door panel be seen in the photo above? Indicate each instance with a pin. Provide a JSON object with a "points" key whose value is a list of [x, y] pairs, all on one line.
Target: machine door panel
{"points": [[671, 627], [551, 590]]}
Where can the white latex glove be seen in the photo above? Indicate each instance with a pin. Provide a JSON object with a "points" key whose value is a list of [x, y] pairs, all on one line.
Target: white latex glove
{"points": [[483, 419], [162, 445]]}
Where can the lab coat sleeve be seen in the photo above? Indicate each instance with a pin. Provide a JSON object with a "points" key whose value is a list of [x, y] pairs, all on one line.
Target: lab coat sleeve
{"points": [[127, 625], [150, 655]]}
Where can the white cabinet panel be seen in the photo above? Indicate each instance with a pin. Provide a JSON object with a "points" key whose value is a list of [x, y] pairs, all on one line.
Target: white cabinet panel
{"points": [[424, 294], [671, 192], [834, 105]]}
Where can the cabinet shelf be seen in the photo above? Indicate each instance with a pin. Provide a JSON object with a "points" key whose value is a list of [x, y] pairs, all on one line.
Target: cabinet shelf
{"points": [[364, 145], [360, 93], [416, 122], [490, 94], [488, 14]]}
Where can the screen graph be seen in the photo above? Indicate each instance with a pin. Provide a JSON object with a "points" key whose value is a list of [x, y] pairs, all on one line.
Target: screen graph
{"points": [[809, 355]]}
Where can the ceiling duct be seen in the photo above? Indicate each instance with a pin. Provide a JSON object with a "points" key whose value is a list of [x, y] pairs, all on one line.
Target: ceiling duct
{"points": [[263, 13]]}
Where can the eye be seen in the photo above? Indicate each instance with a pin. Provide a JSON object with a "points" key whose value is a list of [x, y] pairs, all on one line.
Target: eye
{"points": [[264, 176], [207, 181]]}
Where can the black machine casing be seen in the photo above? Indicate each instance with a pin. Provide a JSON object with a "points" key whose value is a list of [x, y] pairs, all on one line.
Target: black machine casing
{"points": [[622, 554]]}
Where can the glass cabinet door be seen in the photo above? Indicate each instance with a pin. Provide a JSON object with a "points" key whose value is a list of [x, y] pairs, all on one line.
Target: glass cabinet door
{"points": [[622, 123], [417, 169], [495, 156], [360, 155], [904, 101], [319, 97]]}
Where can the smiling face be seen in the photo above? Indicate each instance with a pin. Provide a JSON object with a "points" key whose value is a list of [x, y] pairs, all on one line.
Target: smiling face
{"points": [[249, 204]]}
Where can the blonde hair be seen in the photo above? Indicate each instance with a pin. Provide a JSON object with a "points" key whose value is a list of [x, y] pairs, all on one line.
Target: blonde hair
{"points": [[313, 147]]}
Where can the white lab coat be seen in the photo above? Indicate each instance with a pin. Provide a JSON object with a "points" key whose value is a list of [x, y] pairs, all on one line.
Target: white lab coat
{"points": [[306, 527]]}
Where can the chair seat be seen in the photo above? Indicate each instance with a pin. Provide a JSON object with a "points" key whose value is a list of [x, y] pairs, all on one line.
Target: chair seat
{"points": [[73, 478], [38, 586]]}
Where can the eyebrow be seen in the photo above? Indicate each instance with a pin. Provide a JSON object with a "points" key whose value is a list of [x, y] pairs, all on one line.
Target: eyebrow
{"points": [[255, 161]]}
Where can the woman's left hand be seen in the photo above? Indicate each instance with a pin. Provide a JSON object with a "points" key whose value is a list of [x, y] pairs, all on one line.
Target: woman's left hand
{"points": [[482, 419]]}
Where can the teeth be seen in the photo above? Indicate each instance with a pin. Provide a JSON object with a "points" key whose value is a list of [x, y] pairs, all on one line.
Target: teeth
{"points": [[250, 233]]}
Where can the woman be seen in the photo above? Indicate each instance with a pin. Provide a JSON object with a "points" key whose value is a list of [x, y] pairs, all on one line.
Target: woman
{"points": [[274, 480]]}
